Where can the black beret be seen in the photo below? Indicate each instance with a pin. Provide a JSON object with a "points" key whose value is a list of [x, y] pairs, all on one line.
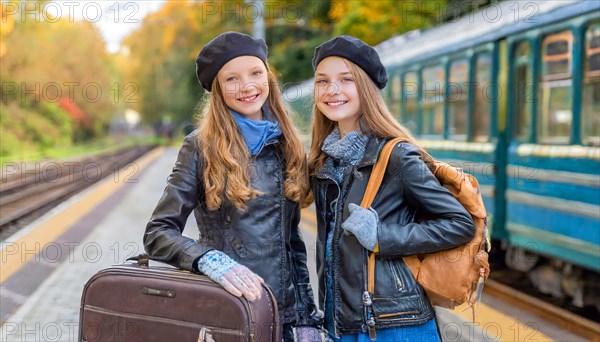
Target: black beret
{"points": [[224, 48], [357, 52]]}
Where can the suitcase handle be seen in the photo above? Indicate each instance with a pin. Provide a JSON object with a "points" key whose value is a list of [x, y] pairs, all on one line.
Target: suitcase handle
{"points": [[144, 259], [141, 260]]}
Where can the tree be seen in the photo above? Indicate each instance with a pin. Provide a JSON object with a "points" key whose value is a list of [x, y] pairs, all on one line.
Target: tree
{"points": [[162, 52], [8, 24], [49, 61], [376, 21], [294, 30]]}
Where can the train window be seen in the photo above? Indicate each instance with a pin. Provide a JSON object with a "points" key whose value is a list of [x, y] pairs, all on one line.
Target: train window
{"points": [[554, 110], [523, 92], [410, 91], [590, 108], [557, 55], [458, 97], [433, 100], [395, 96], [481, 110]]}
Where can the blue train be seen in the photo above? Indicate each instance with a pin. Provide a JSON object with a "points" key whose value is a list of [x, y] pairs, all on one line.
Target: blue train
{"points": [[511, 93]]}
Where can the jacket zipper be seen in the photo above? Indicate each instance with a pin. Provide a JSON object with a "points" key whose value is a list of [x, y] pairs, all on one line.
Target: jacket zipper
{"points": [[335, 220], [252, 328], [366, 296], [248, 306], [394, 314], [368, 299], [396, 275], [288, 248], [399, 285]]}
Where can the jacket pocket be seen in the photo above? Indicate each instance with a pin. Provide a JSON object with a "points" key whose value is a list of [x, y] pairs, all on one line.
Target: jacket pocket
{"points": [[390, 280], [397, 308]]}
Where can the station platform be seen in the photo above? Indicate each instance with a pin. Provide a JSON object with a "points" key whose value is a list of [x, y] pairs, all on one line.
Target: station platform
{"points": [[46, 265]]}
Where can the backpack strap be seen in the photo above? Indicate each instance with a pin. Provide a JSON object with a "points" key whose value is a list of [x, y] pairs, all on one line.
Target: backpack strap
{"points": [[372, 188], [378, 172]]}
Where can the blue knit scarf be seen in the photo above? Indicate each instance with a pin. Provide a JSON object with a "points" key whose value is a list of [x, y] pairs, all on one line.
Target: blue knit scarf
{"points": [[258, 133]]}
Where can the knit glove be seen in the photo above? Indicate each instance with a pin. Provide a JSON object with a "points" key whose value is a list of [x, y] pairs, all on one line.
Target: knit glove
{"points": [[363, 224], [308, 334], [235, 278]]}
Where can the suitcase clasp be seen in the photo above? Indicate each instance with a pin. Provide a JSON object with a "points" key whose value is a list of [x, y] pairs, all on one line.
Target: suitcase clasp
{"points": [[205, 336], [155, 292]]}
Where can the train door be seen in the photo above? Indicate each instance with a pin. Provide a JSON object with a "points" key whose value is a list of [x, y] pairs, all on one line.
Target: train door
{"points": [[520, 123], [499, 119]]}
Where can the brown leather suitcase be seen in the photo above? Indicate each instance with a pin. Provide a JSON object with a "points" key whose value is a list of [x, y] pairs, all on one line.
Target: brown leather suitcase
{"points": [[130, 302]]}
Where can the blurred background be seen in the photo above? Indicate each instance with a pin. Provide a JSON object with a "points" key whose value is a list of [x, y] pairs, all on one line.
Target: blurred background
{"points": [[84, 73]]}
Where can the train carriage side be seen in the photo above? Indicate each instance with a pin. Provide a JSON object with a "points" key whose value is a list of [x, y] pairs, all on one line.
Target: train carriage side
{"points": [[521, 112], [449, 101], [553, 156]]}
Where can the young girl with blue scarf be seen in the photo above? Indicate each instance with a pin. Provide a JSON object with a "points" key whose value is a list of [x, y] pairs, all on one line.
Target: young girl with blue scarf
{"points": [[244, 174]]}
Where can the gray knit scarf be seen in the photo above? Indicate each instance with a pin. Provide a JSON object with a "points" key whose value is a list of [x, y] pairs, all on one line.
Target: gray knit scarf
{"points": [[344, 152]]}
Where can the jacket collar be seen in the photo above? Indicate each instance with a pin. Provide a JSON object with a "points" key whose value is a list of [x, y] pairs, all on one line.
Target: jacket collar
{"points": [[372, 151], [327, 170]]}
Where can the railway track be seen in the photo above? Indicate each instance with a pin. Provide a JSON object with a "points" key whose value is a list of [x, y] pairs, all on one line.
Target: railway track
{"points": [[562, 318], [26, 195]]}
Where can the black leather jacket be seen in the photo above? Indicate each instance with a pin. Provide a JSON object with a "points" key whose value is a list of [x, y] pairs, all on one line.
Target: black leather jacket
{"points": [[409, 191], [265, 237]]}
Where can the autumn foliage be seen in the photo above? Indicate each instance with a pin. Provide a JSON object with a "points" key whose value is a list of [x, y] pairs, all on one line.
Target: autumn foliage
{"points": [[60, 85], [56, 80]]}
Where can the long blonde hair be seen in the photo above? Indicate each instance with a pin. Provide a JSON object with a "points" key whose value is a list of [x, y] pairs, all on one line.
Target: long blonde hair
{"points": [[226, 155], [375, 119]]}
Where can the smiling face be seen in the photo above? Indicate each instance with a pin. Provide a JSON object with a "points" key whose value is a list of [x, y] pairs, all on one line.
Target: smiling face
{"points": [[243, 81], [336, 95]]}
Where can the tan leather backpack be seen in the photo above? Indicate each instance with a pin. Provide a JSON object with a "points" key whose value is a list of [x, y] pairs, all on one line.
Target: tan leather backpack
{"points": [[451, 277]]}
